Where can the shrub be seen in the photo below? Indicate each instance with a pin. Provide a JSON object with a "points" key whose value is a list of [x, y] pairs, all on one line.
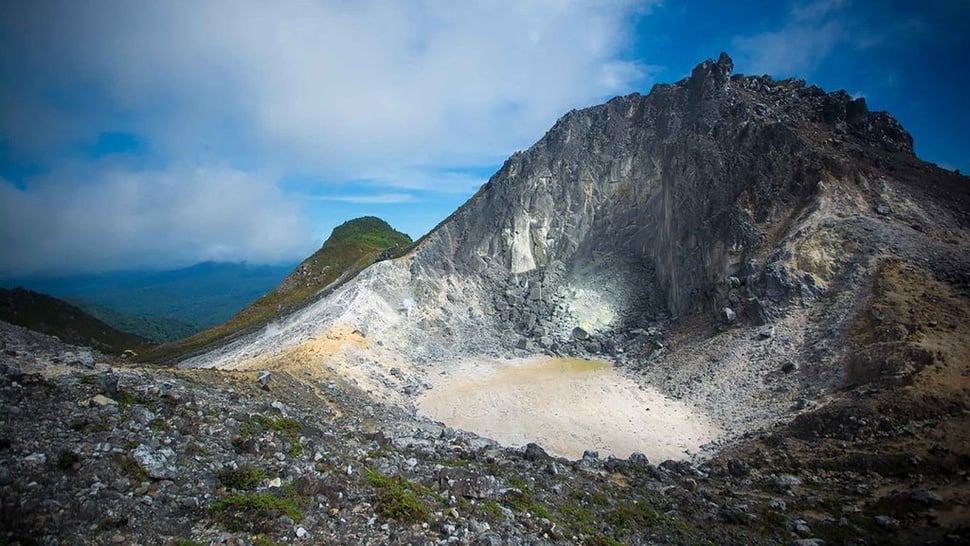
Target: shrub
{"points": [[242, 478], [398, 498], [256, 510]]}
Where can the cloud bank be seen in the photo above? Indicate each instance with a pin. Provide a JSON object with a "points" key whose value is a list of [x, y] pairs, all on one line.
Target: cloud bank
{"points": [[228, 99]]}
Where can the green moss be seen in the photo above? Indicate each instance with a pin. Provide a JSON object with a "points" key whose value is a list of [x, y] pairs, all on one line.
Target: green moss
{"points": [[288, 428], [125, 398], [130, 467], [255, 510], [579, 518], [186, 542], [243, 478], [523, 501], [633, 514], [398, 498], [263, 540], [491, 507], [603, 540]]}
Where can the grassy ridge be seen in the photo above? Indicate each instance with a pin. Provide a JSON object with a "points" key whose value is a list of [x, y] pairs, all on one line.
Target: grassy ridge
{"points": [[351, 247], [49, 315]]}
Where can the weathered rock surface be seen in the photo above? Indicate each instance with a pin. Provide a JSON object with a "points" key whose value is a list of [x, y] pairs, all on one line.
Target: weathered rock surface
{"points": [[227, 461]]}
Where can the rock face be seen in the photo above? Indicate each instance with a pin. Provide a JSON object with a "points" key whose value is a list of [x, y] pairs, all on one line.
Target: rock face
{"points": [[719, 195], [672, 192]]}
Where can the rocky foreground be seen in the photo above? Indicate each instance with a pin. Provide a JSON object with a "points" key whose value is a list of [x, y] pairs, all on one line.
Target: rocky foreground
{"points": [[95, 450]]}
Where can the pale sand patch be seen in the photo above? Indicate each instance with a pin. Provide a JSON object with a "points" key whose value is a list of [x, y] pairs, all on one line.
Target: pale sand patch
{"points": [[566, 406]]}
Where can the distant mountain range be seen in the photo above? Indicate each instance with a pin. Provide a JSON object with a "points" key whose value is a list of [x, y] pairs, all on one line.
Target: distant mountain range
{"points": [[48, 315], [162, 305]]}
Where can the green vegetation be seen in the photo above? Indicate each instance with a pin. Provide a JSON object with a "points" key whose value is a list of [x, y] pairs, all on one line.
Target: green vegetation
{"points": [[522, 501], [245, 511], [630, 515], [398, 498], [49, 315], [187, 542], [159, 329], [263, 540], [243, 478], [288, 428], [132, 468], [351, 247]]}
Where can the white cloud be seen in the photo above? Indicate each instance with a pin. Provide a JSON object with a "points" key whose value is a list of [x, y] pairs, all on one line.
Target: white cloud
{"points": [[810, 34], [375, 199], [334, 85], [129, 219], [399, 95]]}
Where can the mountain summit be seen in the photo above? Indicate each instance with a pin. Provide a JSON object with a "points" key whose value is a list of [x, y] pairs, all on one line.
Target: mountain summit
{"points": [[710, 206], [721, 193]]}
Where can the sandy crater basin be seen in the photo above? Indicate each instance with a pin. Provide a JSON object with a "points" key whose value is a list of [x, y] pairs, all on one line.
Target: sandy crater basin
{"points": [[567, 406]]}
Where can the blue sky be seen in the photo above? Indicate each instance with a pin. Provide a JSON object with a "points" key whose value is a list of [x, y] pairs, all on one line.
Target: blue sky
{"points": [[159, 134]]}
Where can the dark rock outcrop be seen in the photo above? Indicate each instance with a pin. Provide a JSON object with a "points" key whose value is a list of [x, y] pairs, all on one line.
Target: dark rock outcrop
{"points": [[661, 198]]}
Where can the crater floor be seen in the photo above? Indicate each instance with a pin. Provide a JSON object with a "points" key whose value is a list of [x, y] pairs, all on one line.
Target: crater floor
{"points": [[567, 406]]}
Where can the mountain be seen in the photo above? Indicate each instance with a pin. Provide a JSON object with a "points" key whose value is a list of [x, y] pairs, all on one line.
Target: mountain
{"points": [[771, 256], [717, 192], [203, 295], [776, 288], [351, 247], [49, 315]]}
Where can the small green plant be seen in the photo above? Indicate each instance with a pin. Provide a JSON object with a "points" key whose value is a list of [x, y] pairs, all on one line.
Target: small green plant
{"points": [[187, 542], [288, 428], [263, 540], [522, 502], [243, 478], [398, 498], [633, 514], [603, 540], [67, 459], [130, 467], [255, 510], [491, 507], [125, 398]]}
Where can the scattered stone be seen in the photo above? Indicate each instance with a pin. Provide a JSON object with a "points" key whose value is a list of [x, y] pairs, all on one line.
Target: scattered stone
{"points": [[102, 400], [887, 523], [36, 458], [808, 542], [727, 315], [738, 468], [533, 452], [925, 496], [158, 464], [141, 414]]}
